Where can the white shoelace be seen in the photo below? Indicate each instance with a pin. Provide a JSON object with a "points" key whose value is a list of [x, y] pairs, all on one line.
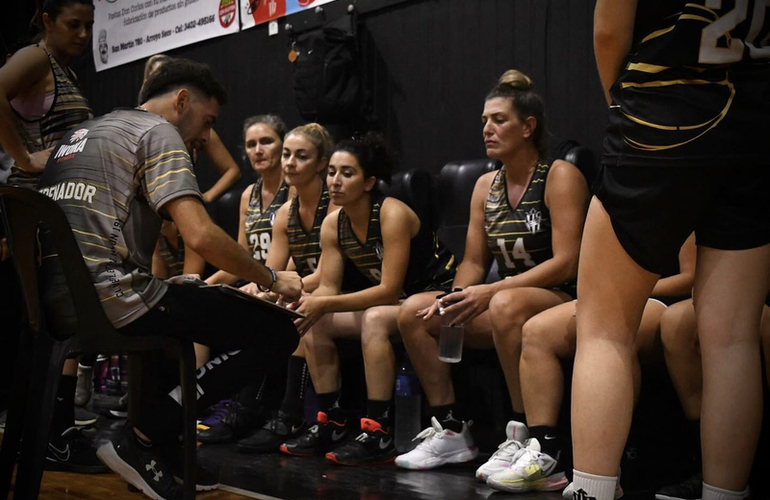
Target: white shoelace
{"points": [[506, 451]]}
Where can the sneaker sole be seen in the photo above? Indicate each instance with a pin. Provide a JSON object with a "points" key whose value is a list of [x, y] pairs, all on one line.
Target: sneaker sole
{"points": [[333, 458], [551, 483], [107, 454], [456, 458], [246, 449], [198, 487], [293, 453]]}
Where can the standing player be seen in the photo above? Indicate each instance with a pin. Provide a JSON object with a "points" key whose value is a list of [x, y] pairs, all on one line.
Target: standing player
{"points": [[688, 85]]}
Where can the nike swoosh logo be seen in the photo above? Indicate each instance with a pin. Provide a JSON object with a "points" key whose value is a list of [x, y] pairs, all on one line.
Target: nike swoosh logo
{"points": [[61, 455], [296, 428], [385, 443], [337, 435], [548, 438]]}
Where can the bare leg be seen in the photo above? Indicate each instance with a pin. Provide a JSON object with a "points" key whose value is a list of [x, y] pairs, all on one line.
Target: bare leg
{"points": [[547, 338], [613, 290], [323, 361], [378, 324], [730, 289], [508, 311], [765, 333], [420, 340], [70, 368], [680, 347]]}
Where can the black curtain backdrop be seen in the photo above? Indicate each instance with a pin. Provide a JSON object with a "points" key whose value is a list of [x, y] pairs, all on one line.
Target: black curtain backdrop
{"points": [[428, 63]]}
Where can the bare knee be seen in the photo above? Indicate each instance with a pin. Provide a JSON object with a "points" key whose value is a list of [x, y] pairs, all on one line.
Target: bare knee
{"points": [[677, 328], [508, 315], [375, 325], [409, 324], [533, 334]]}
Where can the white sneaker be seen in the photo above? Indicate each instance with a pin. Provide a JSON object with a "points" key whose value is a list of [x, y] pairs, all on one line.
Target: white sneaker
{"points": [[569, 491], [531, 470], [439, 446], [517, 433]]}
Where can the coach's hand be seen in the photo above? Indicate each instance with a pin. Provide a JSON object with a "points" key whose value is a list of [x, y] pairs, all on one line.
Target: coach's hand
{"points": [[288, 284]]}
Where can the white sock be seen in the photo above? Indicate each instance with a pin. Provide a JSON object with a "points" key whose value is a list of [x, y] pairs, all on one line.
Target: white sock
{"points": [[714, 493], [598, 487]]}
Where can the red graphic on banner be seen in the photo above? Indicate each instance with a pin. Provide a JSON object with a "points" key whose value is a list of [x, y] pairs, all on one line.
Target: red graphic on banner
{"points": [[227, 12], [304, 3], [266, 10]]}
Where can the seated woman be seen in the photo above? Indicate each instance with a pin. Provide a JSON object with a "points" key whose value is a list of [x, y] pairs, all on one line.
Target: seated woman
{"points": [[296, 239], [263, 140], [548, 339], [528, 216], [388, 243], [679, 335]]}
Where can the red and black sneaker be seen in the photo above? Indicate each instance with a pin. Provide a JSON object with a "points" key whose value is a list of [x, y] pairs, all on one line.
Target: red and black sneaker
{"points": [[373, 446], [318, 439]]}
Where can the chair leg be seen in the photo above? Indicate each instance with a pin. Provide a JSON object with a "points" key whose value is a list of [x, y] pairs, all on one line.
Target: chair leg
{"points": [[14, 423], [189, 401], [48, 366]]}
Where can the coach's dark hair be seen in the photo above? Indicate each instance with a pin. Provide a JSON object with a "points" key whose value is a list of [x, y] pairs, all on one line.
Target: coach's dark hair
{"points": [[373, 154], [177, 73], [272, 121], [53, 9], [517, 86]]}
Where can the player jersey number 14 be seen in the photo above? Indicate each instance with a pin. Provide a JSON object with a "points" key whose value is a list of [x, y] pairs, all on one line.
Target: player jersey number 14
{"points": [[714, 52]]}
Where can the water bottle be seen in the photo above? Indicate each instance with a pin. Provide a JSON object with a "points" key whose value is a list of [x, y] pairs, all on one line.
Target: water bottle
{"points": [[408, 403]]}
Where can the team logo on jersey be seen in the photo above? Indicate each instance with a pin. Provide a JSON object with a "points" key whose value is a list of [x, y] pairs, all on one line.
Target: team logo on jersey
{"points": [[378, 250], [533, 220], [77, 135]]}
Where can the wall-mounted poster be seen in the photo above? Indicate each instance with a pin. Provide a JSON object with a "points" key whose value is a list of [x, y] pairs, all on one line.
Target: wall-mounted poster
{"points": [[127, 30], [254, 12]]}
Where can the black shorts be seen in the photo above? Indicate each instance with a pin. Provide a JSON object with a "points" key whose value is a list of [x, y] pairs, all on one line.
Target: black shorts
{"points": [[654, 209]]}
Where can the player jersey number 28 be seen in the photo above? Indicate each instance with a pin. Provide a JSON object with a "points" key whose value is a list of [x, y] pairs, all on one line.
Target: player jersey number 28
{"points": [[731, 48]]}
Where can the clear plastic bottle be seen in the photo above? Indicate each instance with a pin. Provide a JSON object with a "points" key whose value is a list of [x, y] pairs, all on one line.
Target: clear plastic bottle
{"points": [[408, 402]]}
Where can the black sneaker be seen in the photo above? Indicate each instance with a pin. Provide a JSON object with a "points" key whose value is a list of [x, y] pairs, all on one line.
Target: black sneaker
{"points": [[690, 488], [319, 439], [373, 446], [205, 479], [274, 433], [84, 418], [140, 465], [237, 423], [73, 452], [117, 410]]}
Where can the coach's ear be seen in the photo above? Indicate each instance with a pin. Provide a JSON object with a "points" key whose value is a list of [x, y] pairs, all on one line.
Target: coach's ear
{"points": [[182, 100]]}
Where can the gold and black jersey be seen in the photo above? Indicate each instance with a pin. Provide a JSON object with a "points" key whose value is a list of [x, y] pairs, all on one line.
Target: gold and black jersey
{"points": [[431, 265], [305, 244], [69, 108], [259, 220], [518, 237], [694, 90]]}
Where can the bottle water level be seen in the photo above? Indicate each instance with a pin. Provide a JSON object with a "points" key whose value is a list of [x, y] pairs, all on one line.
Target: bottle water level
{"points": [[450, 343]]}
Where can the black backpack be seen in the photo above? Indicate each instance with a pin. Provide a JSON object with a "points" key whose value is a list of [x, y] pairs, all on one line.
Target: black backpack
{"points": [[327, 73]]}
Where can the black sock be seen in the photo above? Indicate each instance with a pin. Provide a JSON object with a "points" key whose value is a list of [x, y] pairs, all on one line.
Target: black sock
{"points": [[252, 395], [296, 386], [329, 403], [549, 439], [519, 417], [447, 417], [381, 411], [64, 408]]}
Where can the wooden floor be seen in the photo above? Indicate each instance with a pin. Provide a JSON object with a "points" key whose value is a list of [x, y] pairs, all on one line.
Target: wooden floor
{"points": [[68, 486]]}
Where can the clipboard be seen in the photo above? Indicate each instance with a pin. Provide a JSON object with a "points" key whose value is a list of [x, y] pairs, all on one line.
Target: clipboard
{"points": [[231, 290]]}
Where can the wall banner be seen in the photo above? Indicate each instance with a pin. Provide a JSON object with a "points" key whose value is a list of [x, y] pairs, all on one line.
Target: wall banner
{"points": [[127, 30], [254, 12]]}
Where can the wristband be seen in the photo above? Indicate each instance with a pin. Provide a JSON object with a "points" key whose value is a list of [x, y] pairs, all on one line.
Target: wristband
{"points": [[274, 278]]}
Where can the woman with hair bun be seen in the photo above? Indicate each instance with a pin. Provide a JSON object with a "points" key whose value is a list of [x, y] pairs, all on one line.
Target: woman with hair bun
{"points": [[40, 99], [399, 255], [528, 216]]}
